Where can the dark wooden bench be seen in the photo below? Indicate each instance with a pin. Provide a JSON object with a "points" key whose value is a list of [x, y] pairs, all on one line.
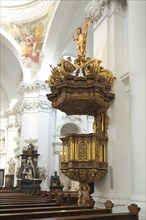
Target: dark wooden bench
{"points": [[19, 206], [25, 205], [26, 202], [50, 214], [49, 208], [113, 216], [63, 198], [20, 198]]}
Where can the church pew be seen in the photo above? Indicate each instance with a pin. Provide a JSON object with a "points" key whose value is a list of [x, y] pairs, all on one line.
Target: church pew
{"points": [[24, 197], [67, 197], [49, 208], [113, 216], [25, 202], [21, 195], [25, 205], [51, 214]]}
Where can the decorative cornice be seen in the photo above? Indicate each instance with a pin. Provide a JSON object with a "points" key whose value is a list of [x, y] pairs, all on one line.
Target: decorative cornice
{"points": [[36, 104], [27, 12], [32, 86], [34, 101], [99, 8]]}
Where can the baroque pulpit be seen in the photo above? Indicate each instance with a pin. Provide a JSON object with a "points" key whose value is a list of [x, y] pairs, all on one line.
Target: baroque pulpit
{"points": [[83, 87]]}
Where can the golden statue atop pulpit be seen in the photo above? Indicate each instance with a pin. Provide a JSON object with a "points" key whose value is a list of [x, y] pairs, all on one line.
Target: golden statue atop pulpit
{"points": [[81, 41], [83, 88]]}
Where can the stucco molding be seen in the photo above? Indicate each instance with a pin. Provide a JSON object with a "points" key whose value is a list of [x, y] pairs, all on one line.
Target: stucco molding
{"points": [[97, 9], [28, 12], [36, 105], [28, 87]]}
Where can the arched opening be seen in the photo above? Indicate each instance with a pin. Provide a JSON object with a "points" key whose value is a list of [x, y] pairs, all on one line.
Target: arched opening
{"points": [[69, 128]]}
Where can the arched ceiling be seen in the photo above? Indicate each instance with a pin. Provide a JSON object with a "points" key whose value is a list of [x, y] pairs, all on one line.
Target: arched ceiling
{"points": [[24, 10], [10, 76], [11, 72], [14, 3], [66, 17]]}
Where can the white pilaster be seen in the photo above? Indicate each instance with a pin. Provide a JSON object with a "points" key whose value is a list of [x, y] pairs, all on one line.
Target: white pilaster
{"points": [[137, 36], [109, 46], [119, 38], [10, 143]]}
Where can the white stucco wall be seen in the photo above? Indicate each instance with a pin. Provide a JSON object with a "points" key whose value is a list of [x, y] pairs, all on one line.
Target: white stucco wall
{"points": [[119, 41]]}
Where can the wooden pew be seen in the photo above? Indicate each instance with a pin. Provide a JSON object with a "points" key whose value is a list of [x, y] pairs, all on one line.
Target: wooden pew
{"points": [[15, 206], [25, 205], [131, 215], [113, 216], [26, 202], [49, 208], [21, 198], [50, 214], [64, 197]]}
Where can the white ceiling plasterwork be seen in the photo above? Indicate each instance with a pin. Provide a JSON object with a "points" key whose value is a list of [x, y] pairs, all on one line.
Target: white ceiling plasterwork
{"points": [[98, 8], [26, 23], [21, 20], [25, 12], [14, 3]]}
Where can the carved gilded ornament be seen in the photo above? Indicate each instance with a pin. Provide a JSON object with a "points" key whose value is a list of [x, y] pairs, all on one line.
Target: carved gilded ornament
{"points": [[86, 66], [83, 87]]}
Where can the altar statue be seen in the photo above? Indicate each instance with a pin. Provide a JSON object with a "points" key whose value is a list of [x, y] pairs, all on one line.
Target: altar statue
{"points": [[55, 183], [55, 180]]}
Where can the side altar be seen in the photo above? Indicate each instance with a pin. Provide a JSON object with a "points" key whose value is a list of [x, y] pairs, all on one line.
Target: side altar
{"points": [[29, 175]]}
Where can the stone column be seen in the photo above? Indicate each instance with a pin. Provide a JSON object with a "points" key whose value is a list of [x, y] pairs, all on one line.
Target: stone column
{"points": [[10, 145], [137, 47], [10, 142]]}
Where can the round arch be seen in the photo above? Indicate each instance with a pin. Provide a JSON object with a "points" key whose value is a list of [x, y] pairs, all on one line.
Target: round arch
{"points": [[11, 69], [8, 41], [69, 128]]}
